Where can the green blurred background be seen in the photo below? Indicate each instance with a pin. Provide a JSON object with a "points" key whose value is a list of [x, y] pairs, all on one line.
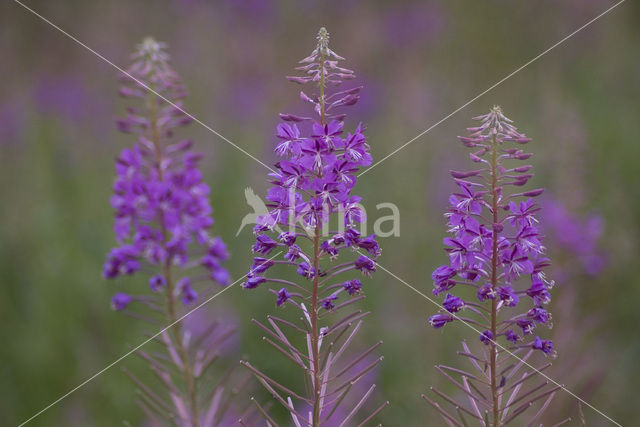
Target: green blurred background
{"points": [[418, 60]]}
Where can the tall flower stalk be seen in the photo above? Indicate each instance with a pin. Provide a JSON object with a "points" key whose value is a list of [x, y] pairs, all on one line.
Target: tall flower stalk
{"points": [[313, 183], [495, 252], [162, 224]]}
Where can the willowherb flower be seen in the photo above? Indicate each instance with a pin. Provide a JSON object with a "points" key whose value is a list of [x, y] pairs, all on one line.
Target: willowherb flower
{"points": [[312, 184], [162, 223], [495, 251]]}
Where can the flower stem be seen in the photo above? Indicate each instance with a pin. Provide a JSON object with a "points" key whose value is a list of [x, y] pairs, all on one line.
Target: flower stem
{"points": [[494, 276], [316, 285], [314, 330], [171, 310]]}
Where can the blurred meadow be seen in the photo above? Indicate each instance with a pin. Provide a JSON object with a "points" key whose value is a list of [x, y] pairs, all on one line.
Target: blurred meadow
{"points": [[418, 61]]}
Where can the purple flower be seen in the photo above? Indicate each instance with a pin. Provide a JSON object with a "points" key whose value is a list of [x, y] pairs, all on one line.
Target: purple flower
{"points": [[290, 136], [442, 279], [486, 292], [511, 336], [305, 270], [120, 301], [370, 245], [283, 296], [452, 303], [288, 238], [443, 274], [327, 303], [486, 337], [508, 296], [352, 286], [540, 315], [157, 282], [526, 325], [218, 249], [122, 260], [253, 282], [439, 320], [320, 156], [264, 244], [365, 264], [186, 290], [538, 291], [260, 265], [545, 345]]}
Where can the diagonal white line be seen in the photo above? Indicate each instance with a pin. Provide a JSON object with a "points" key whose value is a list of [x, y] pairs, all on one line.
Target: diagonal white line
{"points": [[194, 118], [501, 347], [129, 353], [498, 83]]}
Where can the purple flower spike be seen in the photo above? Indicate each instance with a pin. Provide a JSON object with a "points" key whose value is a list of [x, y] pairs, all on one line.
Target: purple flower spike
{"points": [[161, 201], [320, 156], [162, 218], [495, 249]]}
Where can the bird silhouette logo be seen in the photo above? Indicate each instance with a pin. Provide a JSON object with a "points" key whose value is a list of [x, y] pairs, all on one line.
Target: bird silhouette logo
{"points": [[258, 206]]}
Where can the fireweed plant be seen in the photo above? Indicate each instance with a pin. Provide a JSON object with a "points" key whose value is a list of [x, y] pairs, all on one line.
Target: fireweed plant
{"points": [[495, 251], [312, 184], [162, 224]]}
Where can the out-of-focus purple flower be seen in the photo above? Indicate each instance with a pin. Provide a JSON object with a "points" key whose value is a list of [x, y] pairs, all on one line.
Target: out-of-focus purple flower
{"points": [[157, 282], [577, 235], [162, 224], [186, 290], [305, 270], [120, 301], [410, 23], [161, 202], [66, 97]]}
